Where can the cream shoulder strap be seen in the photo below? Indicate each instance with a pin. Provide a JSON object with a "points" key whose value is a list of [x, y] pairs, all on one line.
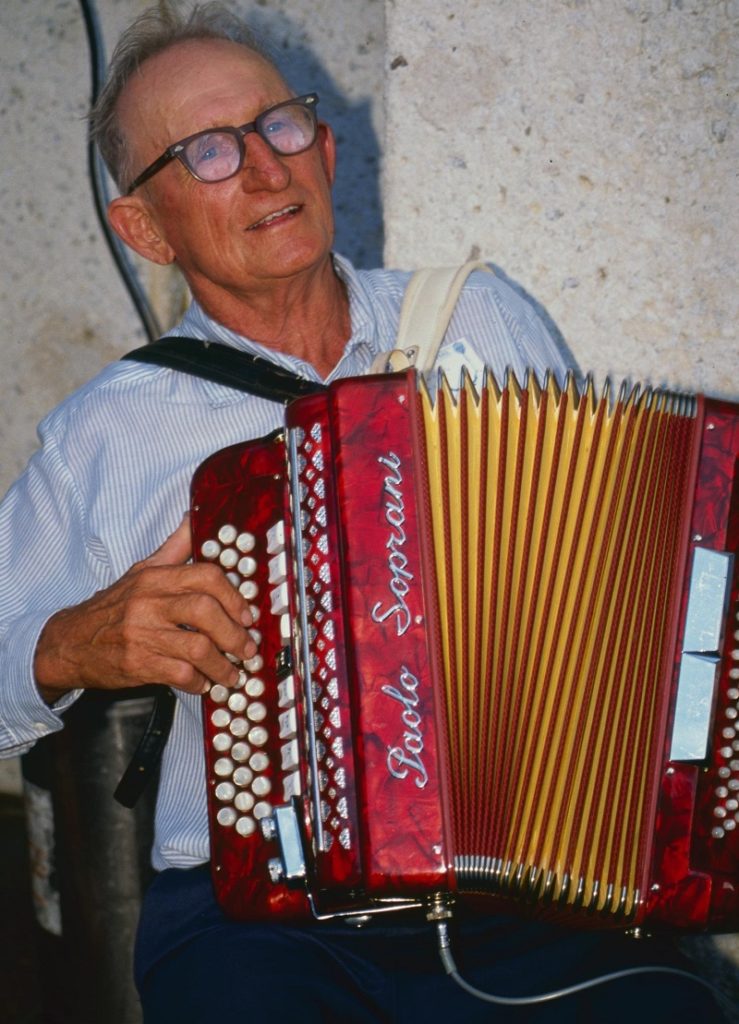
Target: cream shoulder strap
{"points": [[427, 308]]}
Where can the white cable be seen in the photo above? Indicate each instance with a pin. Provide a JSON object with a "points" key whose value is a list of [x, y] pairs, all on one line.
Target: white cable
{"points": [[451, 969]]}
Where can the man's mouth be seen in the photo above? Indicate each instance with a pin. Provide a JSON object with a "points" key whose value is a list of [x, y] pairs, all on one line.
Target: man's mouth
{"points": [[288, 211]]}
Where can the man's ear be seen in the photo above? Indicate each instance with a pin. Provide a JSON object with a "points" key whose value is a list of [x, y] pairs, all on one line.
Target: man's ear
{"points": [[131, 219], [327, 149]]}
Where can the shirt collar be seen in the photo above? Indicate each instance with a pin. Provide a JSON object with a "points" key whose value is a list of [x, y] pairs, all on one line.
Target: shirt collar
{"points": [[197, 324]]}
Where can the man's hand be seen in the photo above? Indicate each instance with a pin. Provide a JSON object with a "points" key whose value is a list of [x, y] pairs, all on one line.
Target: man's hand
{"points": [[165, 621]]}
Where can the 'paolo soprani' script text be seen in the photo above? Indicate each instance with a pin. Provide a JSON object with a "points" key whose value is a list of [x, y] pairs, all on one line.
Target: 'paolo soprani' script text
{"points": [[407, 758], [397, 560]]}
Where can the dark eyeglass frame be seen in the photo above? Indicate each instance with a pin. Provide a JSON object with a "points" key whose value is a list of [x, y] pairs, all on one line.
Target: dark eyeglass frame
{"points": [[176, 150]]}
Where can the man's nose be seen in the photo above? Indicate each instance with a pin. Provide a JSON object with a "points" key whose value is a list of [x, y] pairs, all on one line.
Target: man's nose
{"points": [[263, 168]]}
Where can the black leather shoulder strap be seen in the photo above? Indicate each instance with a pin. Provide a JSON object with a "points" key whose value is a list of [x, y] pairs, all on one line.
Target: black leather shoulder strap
{"points": [[226, 365]]}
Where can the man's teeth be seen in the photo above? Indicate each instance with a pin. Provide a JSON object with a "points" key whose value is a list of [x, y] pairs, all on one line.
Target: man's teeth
{"points": [[273, 216]]}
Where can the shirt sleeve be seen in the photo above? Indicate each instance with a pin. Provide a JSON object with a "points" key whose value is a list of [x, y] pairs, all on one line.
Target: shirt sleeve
{"points": [[48, 563]]}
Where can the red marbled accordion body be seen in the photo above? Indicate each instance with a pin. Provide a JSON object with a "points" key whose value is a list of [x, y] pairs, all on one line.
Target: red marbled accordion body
{"points": [[391, 742]]}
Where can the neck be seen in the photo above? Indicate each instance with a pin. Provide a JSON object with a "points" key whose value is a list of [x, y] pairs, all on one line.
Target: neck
{"points": [[306, 317]]}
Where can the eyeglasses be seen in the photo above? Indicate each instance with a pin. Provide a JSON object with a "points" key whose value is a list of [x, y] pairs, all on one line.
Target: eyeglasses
{"points": [[218, 153]]}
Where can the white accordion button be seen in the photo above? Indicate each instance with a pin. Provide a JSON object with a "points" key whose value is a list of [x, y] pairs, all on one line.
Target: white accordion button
{"points": [[256, 712], [226, 816], [286, 692], [247, 566], [223, 767], [279, 599], [243, 776], [259, 761], [211, 549], [228, 558], [240, 752], [243, 802], [288, 724], [237, 702], [255, 664], [225, 792], [258, 735], [239, 727], [254, 687], [262, 809], [220, 718], [276, 538], [249, 590], [261, 786], [291, 786], [246, 827], [277, 568], [227, 534], [219, 694], [222, 742], [289, 753], [245, 542]]}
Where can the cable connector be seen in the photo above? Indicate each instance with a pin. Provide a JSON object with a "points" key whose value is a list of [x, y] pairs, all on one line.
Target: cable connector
{"points": [[439, 908], [445, 951]]}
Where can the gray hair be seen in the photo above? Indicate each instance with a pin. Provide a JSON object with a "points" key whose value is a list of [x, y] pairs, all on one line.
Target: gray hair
{"points": [[153, 32]]}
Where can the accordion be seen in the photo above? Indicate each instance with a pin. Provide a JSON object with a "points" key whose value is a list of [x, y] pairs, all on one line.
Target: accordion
{"points": [[498, 654]]}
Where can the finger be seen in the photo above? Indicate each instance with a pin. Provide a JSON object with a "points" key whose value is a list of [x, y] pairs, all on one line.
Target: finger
{"points": [[177, 548], [212, 618], [181, 657], [209, 581], [207, 662], [179, 674]]}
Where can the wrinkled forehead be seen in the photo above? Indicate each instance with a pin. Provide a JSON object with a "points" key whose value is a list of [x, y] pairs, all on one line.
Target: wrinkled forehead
{"points": [[192, 85]]}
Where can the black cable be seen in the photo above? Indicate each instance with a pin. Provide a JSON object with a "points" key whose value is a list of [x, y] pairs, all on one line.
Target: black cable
{"points": [[101, 197]]}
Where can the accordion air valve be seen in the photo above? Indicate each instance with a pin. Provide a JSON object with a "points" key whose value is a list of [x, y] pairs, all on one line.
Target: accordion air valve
{"points": [[498, 654]]}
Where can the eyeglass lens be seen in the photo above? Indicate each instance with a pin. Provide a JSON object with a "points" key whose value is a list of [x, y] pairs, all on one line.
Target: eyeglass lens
{"points": [[216, 155]]}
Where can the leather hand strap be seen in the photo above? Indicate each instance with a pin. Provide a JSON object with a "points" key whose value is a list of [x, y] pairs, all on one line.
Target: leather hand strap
{"points": [[235, 369], [149, 749]]}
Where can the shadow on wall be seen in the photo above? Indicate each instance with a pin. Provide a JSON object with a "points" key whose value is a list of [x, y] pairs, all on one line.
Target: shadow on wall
{"points": [[359, 227], [545, 317]]}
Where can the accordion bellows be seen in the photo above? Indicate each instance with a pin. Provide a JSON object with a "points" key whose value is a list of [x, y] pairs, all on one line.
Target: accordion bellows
{"points": [[497, 656]]}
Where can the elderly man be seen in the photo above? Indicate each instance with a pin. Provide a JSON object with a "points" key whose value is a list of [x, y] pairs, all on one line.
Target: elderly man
{"points": [[226, 172]]}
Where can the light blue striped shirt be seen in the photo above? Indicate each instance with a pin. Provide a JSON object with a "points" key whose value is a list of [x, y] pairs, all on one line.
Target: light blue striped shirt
{"points": [[111, 481]]}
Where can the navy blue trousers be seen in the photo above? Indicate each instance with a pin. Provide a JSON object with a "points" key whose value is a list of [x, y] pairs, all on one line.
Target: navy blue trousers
{"points": [[194, 966]]}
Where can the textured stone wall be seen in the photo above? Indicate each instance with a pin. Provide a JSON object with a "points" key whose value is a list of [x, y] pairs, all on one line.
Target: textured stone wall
{"points": [[589, 150], [65, 311]]}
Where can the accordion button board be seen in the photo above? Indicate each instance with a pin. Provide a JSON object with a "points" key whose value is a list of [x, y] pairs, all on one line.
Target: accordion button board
{"points": [[498, 655]]}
